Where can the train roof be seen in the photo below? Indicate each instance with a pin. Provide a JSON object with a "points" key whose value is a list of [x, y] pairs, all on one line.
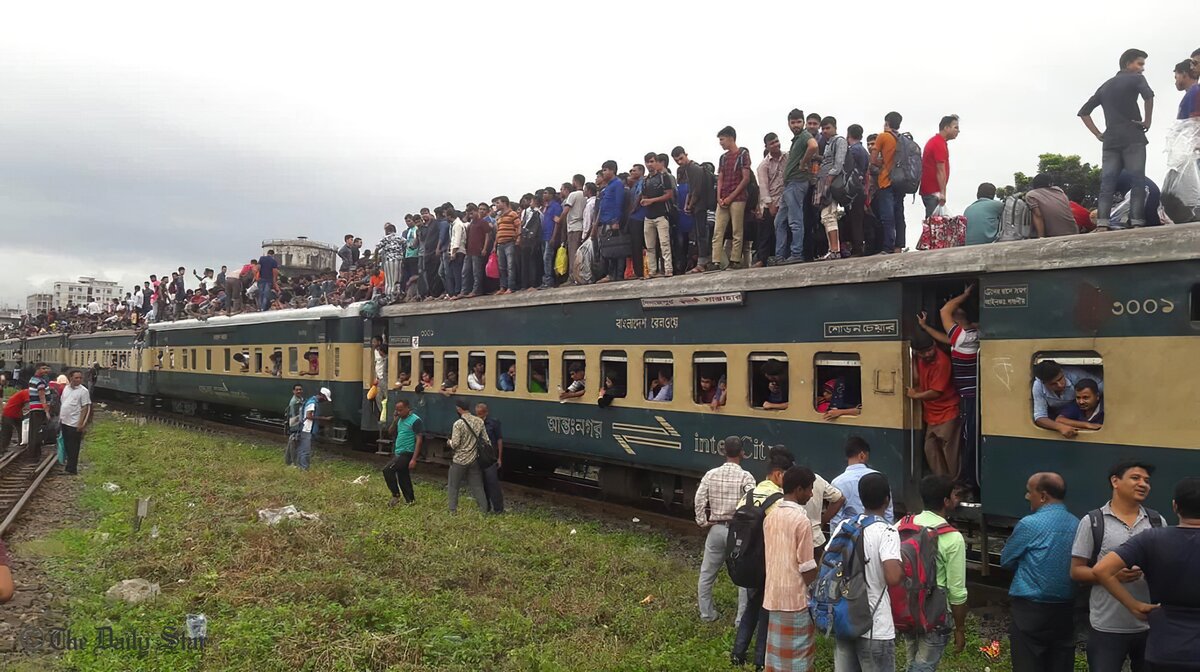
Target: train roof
{"points": [[118, 333], [271, 316], [1114, 248]]}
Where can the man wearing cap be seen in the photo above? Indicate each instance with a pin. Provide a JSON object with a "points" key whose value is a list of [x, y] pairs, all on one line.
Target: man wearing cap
{"points": [[309, 426]]}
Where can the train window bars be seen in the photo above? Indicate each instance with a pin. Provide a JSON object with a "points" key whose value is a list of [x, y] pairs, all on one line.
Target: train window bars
{"points": [[208, 359], [506, 371], [569, 359], [538, 374], [656, 362], [709, 370], [227, 359], [837, 381], [195, 360], [614, 373], [769, 381], [450, 366]]}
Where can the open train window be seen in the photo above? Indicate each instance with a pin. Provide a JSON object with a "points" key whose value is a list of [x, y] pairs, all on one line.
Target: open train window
{"points": [[227, 359], [195, 360], [837, 382], [185, 358], [451, 376], [243, 360], [658, 368], [277, 362], [1080, 404], [207, 359], [506, 371], [769, 380], [258, 360], [571, 360], [538, 376], [614, 373], [293, 360], [337, 361], [313, 357], [708, 375], [426, 376], [404, 370], [171, 359], [476, 370]]}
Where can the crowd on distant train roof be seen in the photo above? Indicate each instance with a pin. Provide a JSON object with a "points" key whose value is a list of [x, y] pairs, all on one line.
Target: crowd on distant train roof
{"points": [[828, 196]]}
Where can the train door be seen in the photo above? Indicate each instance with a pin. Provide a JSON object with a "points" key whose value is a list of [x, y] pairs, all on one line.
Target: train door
{"points": [[949, 307], [374, 411]]}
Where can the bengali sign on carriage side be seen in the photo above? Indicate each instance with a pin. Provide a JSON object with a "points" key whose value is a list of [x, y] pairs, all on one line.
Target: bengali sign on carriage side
{"points": [[862, 329], [1006, 296]]}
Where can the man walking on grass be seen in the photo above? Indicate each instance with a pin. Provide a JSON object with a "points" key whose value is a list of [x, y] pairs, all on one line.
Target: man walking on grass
{"points": [[294, 420], [466, 438], [405, 449]]}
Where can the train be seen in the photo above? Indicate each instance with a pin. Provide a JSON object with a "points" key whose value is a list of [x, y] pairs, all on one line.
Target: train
{"points": [[1125, 305]]}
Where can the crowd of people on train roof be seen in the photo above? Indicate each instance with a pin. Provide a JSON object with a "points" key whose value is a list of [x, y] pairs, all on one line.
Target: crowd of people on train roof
{"points": [[828, 194]]}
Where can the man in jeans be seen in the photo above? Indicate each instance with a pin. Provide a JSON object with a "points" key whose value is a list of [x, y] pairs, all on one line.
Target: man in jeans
{"points": [[553, 227], [39, 410], [294, 418], [478, 234], [491, 473], [658, 188], [733, 177], [75, 413], [789, 216], [889, 202], [720, 493], [574, 204], [935, 165], [1124, 136], [308, 426], [465, 437], [407, 447], [696, 205], [507, 226], [940, 498]]}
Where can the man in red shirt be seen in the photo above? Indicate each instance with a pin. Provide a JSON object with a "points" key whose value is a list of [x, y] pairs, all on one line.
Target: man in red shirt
{"points": [[1083, 216], [12, 418], [939, 400], [935, 165]]}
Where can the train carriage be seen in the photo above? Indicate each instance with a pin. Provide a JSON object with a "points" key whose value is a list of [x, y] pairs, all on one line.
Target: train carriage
{"points": [[1123, 304], [111, 360]]}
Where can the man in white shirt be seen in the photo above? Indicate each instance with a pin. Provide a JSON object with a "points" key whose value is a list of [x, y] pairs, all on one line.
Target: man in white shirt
{"points": [[825, 503], [573, 207], [93, 307], [74, 414], [876, 650], [477, 377]]}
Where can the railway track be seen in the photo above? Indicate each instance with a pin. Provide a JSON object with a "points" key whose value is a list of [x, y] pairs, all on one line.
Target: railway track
{"points": [[19, 480]]}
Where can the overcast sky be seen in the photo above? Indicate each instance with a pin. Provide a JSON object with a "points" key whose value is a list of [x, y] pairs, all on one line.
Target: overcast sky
{"points": [[138, 137]]}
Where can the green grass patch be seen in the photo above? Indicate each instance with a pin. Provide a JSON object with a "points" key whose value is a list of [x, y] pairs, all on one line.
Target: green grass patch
{"points": [[367, 587]]}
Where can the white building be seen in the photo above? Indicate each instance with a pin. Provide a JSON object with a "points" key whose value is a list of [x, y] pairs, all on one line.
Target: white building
{"points": [[82, 292], [36, 304]]}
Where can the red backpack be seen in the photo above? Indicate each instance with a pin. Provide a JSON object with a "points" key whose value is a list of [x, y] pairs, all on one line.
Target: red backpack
{"points": [[919, 604]]}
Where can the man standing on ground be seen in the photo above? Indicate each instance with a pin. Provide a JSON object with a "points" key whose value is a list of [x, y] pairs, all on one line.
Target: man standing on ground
{"points": [[696, 205], [789, 218], [935, 165], [39, 409], [1116, 635], [12, 418], [491, 473], [1124, 137], [405, 449], [75, 413], [1042, 596], [858, 454], [787, 539], [720, 492], [308, 426], [732, 179], [295, 417], [939, 402], [466, 436], [940, 499], [753, 623]]}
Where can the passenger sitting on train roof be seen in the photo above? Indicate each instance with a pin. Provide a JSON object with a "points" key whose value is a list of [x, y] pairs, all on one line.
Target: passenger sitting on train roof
{"points": [[476, 377], [450, 384], [712, 391], [777, 397], [508, 379], [1087, 411], [1053, 390], [577, 386], [831, 404], [662, 389]]}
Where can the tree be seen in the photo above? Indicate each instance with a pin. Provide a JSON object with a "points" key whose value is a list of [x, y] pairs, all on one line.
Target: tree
{"points": [[1065, 172]]}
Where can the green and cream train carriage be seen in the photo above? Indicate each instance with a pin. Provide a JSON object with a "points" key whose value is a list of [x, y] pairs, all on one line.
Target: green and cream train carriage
{"points": [[1124, 304]]}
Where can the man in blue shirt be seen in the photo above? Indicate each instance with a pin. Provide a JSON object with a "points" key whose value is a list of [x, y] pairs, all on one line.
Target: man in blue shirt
{"points": [[1053, 390], [1042, 630], [552, 226], [858, 453], [637, 218], [608, 224], [308, 426], [268, 276]]}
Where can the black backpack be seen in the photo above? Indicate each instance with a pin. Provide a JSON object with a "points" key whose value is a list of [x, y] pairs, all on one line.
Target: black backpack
{"points": [[710, 178], [745, 547], [532, 229], [1096, 522]]}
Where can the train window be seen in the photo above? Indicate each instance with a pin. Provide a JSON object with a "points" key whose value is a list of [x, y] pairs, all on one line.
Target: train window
{"points": [[185, 358], [1195, 303], [450, 372], [337, 361], [837, 381], [506, 371], [659, 376], [427, 369], [158, 359], [539, 372], [293, 361], [277, 362], [313, 357], [171, 359], [226, 360], [243, 359], [769, 381], [572, 359], [195, 360], [258, 360], [476, 380], [208, 359], [404, 375], [708, 375], [1082, 410], [614, 373]]}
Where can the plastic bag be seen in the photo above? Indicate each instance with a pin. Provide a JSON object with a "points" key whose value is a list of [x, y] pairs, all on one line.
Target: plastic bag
{"points": [[492, 270], [560, 260], [583, 260], [1181, 188]]}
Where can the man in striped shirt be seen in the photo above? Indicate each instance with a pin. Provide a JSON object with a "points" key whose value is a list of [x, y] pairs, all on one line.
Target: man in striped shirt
{"points": [[39, 409], [507, 227], [720, 493], [962, 335]]}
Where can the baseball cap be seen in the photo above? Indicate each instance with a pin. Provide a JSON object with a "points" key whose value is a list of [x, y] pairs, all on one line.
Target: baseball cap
{"points": [[327, 394]]}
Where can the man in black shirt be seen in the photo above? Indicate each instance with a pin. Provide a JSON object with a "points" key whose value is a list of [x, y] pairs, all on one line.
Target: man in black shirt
{"points": [[699, 193], [1124, 135], [658, 190]]}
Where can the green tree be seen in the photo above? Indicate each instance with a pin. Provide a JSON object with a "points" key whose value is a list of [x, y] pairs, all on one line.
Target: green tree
{"points": [[1066, 172]]}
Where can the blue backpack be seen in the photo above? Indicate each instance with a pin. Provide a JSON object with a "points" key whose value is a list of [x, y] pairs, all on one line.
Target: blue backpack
{"points": [[839, 605]]}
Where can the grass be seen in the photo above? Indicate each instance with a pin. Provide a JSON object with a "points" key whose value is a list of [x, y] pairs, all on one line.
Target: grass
{"points": [[367, 587]]}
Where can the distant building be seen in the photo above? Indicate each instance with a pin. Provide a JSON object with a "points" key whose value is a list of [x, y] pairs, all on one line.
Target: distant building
{"points": [[35, 304], [82, 292], [301, 256]]}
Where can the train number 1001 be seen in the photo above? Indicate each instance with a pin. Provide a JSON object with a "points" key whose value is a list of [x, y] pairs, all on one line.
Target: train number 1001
{"points": [[1142, 307]]}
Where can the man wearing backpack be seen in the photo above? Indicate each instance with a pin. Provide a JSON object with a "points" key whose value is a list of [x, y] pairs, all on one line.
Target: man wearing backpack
{"points": [[833, 166], [1116, 635], [857, 173], [889, 197], [1042, 595], [753, 623], [924, 650], [466, 438], [717, 498], [935, 165], [874, 651], [787, 537]]}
